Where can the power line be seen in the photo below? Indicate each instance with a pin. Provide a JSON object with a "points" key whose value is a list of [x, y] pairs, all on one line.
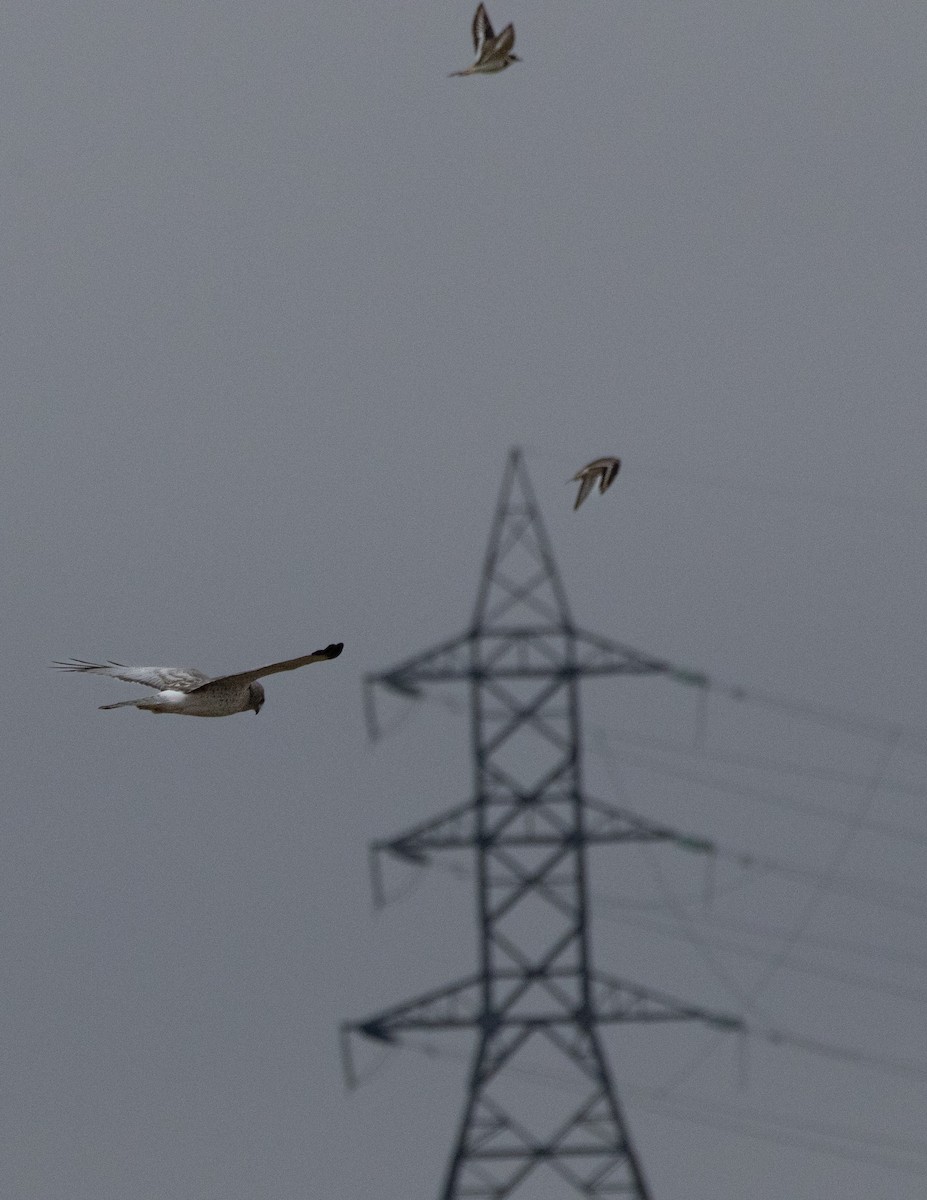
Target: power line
{"points": [[912, 739], [753, 929], [684, 930], [836, 1132], [878, 892], [753, 762], [681, 916], [691, 935], [699, 1116], [810, 908], [906, 833], [880, 985]]}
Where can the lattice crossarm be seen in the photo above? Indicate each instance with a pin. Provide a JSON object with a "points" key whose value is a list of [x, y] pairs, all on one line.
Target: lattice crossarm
{"points": [[615, 1000]]}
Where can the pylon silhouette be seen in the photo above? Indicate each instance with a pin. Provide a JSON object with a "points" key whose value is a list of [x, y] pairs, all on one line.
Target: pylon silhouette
{"points": [[529, 825]]}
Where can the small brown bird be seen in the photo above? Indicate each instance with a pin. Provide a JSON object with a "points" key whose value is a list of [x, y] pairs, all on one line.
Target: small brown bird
{"points": [[492, 53], [603, 469]]}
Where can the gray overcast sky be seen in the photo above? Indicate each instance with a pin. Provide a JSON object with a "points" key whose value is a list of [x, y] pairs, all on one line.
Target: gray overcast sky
{"points": [[277, 297]]}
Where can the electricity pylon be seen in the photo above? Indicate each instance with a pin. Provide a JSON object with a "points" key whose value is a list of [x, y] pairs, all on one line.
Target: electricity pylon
{"points": [[529, 825]]}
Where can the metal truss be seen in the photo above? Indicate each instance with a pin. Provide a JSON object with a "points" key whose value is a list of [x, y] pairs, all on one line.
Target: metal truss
{"points": [[528, 827]]}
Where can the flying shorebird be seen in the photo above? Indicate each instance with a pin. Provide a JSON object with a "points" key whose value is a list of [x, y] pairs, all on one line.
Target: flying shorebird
{"points": [[189, 692], [492, 53], [603, 469]]}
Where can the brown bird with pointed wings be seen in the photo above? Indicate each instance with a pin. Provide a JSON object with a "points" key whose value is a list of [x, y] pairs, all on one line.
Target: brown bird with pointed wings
{"points": [[602, 469], [492, 53]]}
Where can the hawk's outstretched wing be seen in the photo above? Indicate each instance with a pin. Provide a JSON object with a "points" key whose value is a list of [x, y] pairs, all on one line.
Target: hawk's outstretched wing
{"points": [[246, 677], [181, 679]]}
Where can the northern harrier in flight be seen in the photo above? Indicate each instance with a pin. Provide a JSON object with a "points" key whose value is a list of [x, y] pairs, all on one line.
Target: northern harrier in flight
{"points": [[190, 693], [492, 53], [602, 469]]}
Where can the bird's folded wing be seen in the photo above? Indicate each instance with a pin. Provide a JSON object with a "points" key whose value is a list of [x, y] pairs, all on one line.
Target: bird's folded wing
{"points": [[245, 677], [183, 679]]}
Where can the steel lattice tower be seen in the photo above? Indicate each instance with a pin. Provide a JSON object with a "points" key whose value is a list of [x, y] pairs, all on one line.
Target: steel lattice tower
{"points": [[529, 825]]}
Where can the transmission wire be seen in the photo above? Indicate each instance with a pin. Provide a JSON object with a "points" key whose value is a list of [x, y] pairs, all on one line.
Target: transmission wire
{"points": [[804, 919]]}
